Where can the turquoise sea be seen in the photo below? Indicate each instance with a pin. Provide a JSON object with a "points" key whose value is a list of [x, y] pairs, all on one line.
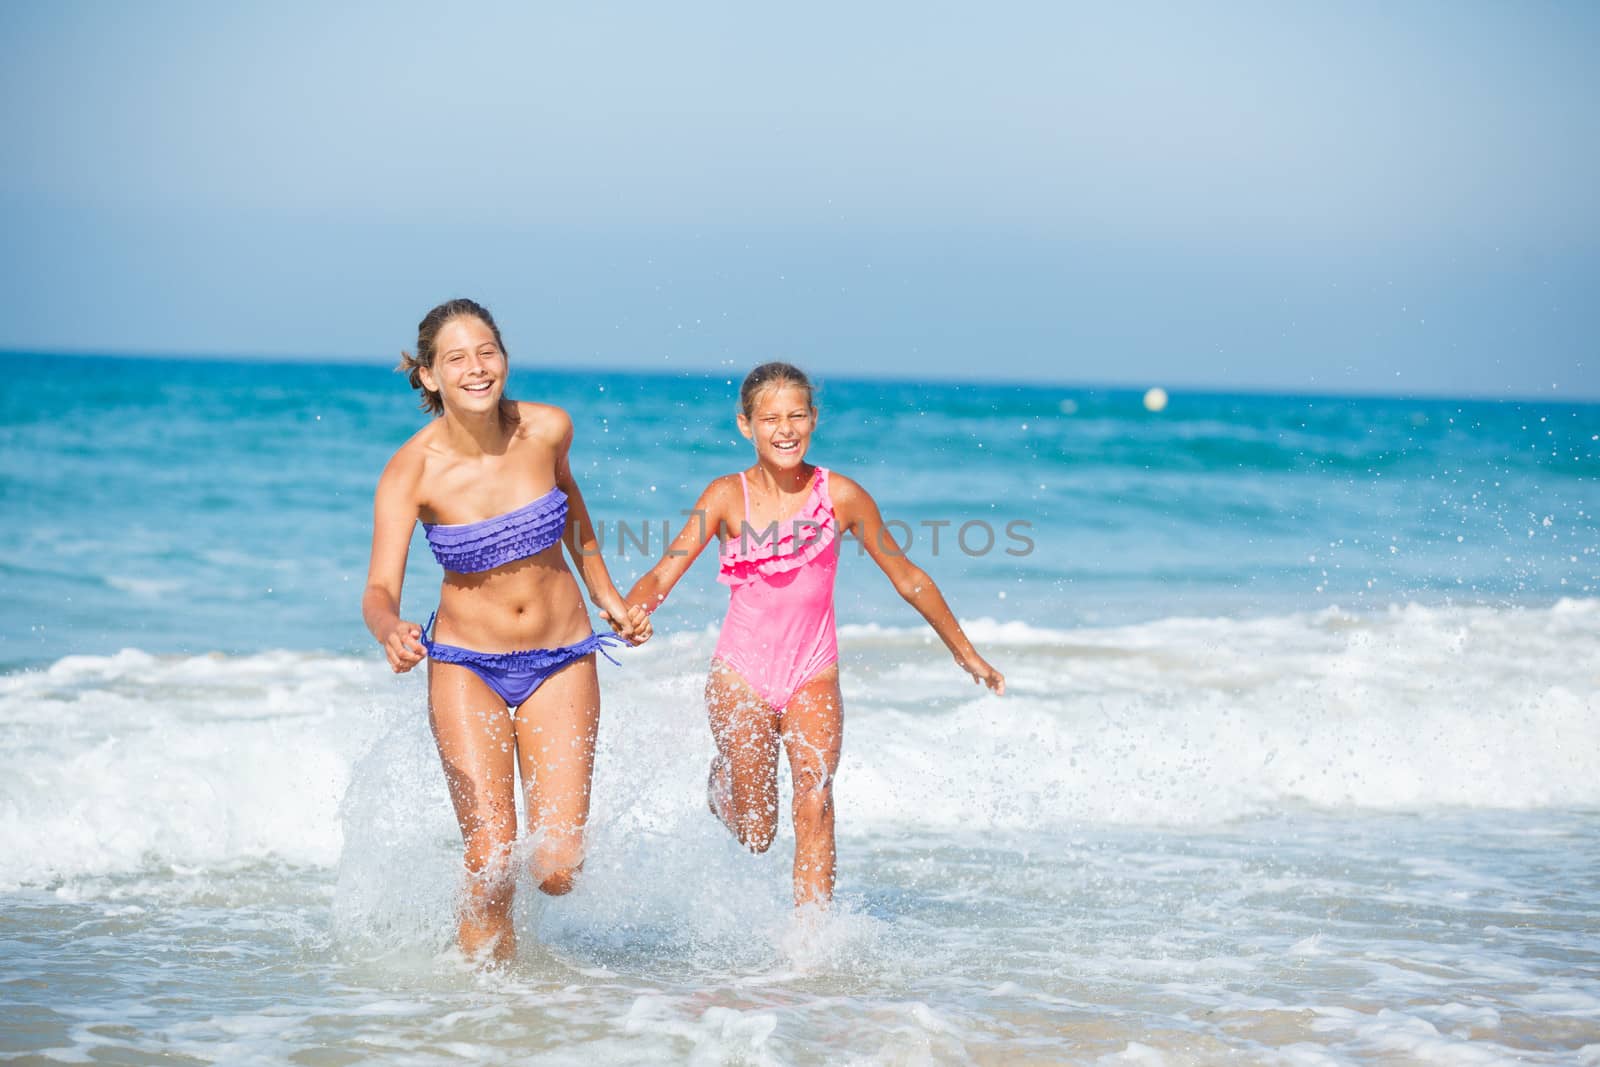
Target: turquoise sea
{"points": [[1297, 763]]}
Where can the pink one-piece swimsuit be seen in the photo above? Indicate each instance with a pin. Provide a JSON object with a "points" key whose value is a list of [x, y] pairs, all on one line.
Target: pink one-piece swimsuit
{"points": [[779, 631]]}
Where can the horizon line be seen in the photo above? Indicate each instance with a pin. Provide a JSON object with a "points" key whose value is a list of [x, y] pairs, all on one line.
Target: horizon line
{"points": [[928, 378]]}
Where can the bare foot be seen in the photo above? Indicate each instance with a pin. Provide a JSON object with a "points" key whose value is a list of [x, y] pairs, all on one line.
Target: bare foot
{"points": [[487, 943]]}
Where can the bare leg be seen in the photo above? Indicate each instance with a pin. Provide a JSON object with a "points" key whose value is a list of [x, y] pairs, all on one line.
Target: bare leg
{"points": [[474, 735], [744, 773], [813, 730], [556, 729]]}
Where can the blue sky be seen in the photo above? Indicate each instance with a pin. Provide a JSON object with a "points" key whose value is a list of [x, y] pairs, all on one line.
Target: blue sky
{"points": [[1323, 197]]}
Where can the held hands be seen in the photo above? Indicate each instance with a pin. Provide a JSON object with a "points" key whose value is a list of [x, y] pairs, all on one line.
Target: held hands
{"points": [[403, 646], [630, 622], [983, 674]]}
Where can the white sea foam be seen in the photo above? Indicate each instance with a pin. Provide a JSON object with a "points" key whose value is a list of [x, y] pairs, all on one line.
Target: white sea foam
{"points": [[118, 763], [1200, 720], [126, 761]]}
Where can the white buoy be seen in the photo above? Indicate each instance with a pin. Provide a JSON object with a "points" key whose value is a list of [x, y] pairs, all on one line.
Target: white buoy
{"points": [[1155, 399]]}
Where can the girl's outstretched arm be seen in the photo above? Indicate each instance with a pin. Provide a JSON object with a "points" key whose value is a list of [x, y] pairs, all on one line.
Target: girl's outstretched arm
{"points": [[858, 513], [711, 513], [584, 547]]}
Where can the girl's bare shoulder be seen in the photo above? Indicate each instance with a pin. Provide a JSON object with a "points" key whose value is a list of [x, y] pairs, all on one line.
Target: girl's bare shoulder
{"points": [[407, 467], [545, 423], [845, 490], [723, 498]]}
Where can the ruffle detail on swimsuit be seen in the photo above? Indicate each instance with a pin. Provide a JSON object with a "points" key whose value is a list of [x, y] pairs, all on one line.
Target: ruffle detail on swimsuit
{"points": [[469, 548], [803, 538], [534, 659]]}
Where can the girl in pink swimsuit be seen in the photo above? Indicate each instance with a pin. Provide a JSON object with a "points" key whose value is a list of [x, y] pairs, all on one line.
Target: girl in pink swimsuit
{"points": [[775, 673]]}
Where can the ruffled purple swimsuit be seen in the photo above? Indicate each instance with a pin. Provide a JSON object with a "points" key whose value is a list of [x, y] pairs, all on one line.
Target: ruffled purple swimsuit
{"points": [[472, 547]]}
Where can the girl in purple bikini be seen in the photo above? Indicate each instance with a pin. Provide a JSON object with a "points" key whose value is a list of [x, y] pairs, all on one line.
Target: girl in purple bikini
{"points": [[489, 480]]}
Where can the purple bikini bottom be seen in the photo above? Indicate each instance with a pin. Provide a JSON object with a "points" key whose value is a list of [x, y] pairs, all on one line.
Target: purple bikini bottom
{"points": [[516, 675]]}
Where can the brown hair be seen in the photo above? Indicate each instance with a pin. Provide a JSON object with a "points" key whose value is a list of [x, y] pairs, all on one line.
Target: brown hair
{"points": [[427, 332], [770, 376]]}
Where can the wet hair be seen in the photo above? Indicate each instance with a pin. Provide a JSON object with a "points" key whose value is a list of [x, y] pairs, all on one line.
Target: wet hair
{"points": [[771, 376], [427, 332]]}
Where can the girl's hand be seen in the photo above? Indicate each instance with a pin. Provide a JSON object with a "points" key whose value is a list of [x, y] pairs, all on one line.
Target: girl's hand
{"points": [[403, 646], [631, 623], [639, 619], [984, 674]]}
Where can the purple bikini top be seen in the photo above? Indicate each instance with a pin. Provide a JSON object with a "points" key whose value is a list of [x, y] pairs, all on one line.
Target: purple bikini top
{"points": [[470, 547]]}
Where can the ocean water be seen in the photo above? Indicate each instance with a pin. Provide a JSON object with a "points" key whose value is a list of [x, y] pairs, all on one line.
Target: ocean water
{"points": [[1297, 763]]}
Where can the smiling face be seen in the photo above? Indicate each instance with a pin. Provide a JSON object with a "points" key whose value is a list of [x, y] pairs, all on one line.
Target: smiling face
{"points": [[780, 424], [469, 368]]}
